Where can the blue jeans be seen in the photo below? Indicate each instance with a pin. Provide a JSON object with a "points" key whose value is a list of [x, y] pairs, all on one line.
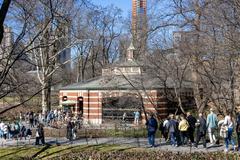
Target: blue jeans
{"points": [[173, 138], [229, 139], [151, 138]]}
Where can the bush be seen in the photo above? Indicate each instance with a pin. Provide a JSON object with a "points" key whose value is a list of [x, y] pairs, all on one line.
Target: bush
{"points": [[143, 155]]}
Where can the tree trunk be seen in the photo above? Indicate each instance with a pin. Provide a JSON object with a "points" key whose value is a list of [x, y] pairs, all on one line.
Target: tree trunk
{"points": [[3, 13], [48, 95], [44, 102], [179, 100]]}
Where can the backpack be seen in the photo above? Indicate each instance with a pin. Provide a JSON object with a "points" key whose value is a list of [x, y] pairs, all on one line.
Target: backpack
{"points": [[29, 132], [161, 128]]}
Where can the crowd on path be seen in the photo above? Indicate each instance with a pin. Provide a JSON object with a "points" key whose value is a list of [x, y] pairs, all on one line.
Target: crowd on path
{"points": [[181, 130], [14, 130], [22, 128], [50, 117], [178, 130]]}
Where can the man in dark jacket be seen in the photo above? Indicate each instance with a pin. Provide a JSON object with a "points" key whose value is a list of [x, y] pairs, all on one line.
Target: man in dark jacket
{"points": [[191, 121], [201, 129], [172, 127], [69, 130], [152, 126], [40, 134]]}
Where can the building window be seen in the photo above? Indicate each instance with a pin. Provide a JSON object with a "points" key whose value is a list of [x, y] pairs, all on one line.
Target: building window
{"points": [[64, 98]]}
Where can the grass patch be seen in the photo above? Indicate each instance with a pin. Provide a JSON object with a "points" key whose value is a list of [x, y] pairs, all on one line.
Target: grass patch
{"points": [[18, 152], [105, 151]]}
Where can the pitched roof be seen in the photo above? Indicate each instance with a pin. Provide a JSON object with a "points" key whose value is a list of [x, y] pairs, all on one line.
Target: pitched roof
{"points": [[120, 82]]}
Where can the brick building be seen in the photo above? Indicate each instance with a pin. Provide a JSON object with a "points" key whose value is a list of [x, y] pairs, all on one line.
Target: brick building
{"points": [[123, 87]]}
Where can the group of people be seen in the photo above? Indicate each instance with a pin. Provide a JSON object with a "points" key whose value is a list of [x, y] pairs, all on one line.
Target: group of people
{"points": [[14, 130], [47, 118], [136, 115], [188, 130], [35, 118]]}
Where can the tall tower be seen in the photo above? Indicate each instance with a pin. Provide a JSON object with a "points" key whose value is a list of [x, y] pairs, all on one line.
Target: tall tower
{"points": [[139, 24]]}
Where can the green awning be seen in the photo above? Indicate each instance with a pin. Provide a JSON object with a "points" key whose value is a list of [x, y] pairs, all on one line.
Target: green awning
{"points": [[68, 102]]}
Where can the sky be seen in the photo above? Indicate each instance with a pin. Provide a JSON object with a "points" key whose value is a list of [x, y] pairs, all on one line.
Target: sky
{"points": [[124, 5]]}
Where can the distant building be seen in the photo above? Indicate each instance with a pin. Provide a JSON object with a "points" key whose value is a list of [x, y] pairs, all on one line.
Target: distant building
{"points": [[139, 26], [7, 42], [139, 11]]}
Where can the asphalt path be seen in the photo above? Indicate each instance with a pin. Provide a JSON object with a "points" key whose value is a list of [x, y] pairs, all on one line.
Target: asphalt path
{"points": [[132, 142]]}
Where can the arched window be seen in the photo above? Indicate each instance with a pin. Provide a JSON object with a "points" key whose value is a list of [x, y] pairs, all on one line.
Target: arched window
{"points": [[64, 98]]}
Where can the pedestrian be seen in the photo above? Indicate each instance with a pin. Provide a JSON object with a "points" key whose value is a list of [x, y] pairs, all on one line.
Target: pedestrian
{"points": [[1, 129], [20, 116], [136, 117], [31, 119], [23, 132], [35, 119], [178, 137], [74, 130], [201, 129], [5, 131], [40, 117], [191, 121], [124, 116], [152, 126], [172, 129], [229, 123], [165, 130], [69, 131], [40, 134], [212, 122], [238, 129], [183, 128]]}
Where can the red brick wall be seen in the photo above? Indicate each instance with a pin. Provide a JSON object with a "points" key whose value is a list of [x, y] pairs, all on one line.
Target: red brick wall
{"points": [[154, 102]]}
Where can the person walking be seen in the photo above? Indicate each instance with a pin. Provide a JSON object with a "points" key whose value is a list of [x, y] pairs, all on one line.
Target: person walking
{"points": [[172, 127], [152, 126], [20, 116], [5, 131], [1, 129], [238, 129], [31, 119], [136, 117], [164, 129], [229, 123], [69, 131], [124, 117], [40, 134], [212, 122], [191, 121], [201, 129], [183, 128]]}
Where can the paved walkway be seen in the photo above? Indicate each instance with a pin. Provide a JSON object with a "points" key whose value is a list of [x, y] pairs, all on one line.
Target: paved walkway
{"points": [[134, 142]]}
